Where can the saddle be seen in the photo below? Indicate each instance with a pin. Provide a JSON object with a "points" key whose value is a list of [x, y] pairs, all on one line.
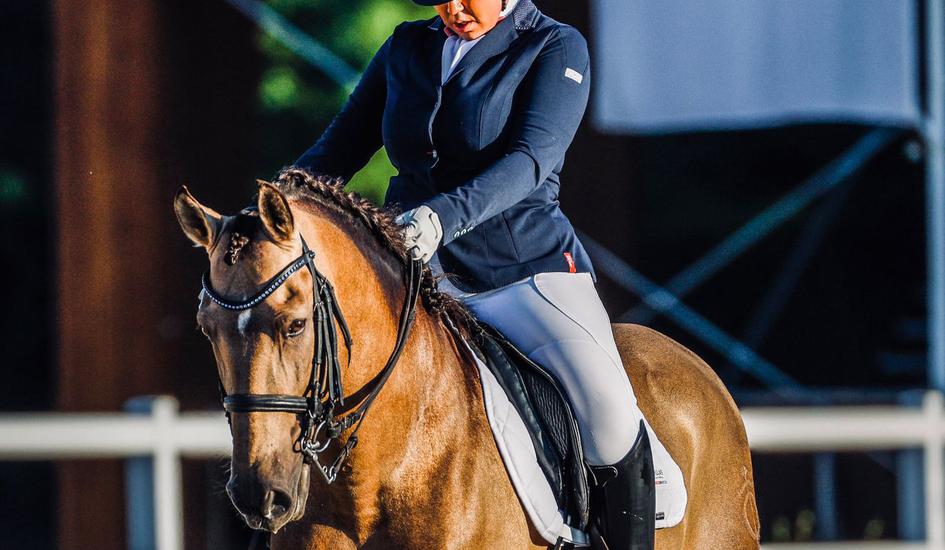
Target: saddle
{"points": [[537, 396]]}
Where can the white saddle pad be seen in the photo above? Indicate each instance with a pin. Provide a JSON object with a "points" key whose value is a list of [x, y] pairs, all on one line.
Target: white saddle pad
{"points": [[536, 495]]}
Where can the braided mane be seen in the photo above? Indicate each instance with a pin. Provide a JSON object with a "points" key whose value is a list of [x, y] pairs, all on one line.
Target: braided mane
{"points": [[328, 191]]}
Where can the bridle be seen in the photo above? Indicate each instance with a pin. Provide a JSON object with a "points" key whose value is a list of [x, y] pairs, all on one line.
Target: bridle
{"points": [[316, 406]]}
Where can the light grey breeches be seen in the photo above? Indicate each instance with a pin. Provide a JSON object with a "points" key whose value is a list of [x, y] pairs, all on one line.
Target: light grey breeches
{"points": [[558, 321]]}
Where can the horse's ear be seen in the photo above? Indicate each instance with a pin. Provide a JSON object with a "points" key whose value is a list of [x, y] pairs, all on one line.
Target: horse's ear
{"points": [[274, 213], [200, 224]]}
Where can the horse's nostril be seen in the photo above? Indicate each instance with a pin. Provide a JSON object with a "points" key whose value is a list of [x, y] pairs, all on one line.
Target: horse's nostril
{"points": [[275, 504], [266, 509], [259, 502]]}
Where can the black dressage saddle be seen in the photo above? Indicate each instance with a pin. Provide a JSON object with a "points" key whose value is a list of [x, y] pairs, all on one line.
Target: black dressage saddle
{"points": [[537, 396]]}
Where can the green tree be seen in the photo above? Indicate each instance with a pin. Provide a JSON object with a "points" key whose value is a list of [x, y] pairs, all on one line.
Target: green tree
{"points": [[297, 101]]}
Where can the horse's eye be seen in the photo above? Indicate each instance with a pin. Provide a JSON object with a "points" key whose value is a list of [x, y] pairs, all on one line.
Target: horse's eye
{"points": [[295, 328]]}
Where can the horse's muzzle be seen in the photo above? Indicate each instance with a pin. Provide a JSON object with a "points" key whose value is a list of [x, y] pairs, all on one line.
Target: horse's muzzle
{"points": [[264, 504]]}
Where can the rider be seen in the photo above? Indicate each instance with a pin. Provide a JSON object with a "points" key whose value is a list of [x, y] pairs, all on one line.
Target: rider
{"points": [[476, 109]]}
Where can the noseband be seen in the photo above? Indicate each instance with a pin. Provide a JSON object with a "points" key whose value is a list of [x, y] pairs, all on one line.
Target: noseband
{"points": [[316, 407]]}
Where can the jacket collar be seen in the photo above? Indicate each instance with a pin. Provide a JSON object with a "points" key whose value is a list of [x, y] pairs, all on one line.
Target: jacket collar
{"points": [[523, 18]]}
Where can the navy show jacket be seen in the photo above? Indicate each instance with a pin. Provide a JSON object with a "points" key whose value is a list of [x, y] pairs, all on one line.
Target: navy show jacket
{"points": [[484, 150]]}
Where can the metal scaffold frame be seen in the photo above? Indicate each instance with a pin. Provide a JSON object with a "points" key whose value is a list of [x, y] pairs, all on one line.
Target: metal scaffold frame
{"points": [[934, 134], [667, 299]]}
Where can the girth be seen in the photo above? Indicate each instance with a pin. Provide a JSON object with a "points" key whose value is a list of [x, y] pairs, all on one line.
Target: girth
{"points": [[324, 393]]}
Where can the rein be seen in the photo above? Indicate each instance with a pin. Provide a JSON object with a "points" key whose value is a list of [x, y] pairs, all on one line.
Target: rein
{"points": [[316, 406]]}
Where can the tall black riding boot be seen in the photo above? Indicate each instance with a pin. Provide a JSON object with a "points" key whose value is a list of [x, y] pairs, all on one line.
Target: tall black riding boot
{"points": [[624, 506]]}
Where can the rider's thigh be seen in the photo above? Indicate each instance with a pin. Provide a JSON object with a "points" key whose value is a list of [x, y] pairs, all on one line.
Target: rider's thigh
{"points": [[604, 403], [557, 319]]}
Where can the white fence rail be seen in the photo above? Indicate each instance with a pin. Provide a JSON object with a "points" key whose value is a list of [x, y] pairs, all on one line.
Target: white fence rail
{"points": [[155, 429]]}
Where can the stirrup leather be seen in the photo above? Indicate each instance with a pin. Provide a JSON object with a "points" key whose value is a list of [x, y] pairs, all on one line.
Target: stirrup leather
{"points": [[624, 510]]}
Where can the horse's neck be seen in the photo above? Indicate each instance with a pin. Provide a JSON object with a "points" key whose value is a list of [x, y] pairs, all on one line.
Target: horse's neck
{"points": [[423, 430], [427, 406], [427, 414]]}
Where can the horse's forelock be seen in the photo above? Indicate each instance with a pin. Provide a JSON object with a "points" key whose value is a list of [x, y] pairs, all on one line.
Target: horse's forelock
{"points": [[239, 233]]}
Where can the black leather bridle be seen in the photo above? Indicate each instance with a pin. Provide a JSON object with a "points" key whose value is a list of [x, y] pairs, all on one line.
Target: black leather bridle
{"points": [[316, 407]]}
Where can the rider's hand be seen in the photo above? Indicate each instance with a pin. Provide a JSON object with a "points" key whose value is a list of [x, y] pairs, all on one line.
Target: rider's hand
{"points": [[422, 232]]}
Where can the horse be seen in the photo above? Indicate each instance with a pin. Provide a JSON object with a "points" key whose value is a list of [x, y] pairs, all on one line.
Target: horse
{"points": [[424, 470]]}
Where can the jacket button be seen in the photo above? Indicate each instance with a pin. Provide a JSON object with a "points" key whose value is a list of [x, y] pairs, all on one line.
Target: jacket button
{"points": [[433, 154]]}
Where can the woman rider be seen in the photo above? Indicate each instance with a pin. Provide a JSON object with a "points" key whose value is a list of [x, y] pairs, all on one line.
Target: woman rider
{"points": [[476, 109]]}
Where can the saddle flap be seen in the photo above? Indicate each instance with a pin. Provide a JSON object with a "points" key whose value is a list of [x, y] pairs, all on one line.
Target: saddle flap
{"points": [[512, 383], [546, 411]]}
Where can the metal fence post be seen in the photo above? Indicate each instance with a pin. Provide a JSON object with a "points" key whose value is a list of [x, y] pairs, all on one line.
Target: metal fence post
{"points": [[153, 483], [932, 409], [910, 481]]}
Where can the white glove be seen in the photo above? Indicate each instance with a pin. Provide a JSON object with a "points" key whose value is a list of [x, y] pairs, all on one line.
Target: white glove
{"points": [[422, 232]]}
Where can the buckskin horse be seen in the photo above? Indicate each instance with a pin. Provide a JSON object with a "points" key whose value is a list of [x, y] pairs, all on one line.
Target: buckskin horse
{"points": [[405, 438]]}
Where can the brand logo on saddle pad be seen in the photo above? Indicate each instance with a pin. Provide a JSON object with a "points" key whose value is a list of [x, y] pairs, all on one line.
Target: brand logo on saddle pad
{"points": [[660, 478]]}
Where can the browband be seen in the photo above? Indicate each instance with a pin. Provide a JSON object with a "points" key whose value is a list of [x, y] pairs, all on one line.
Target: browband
{"points": [[270, 287]]}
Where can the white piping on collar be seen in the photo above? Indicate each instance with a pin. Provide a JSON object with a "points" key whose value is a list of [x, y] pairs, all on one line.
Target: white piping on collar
{"points": [[508, 8]]}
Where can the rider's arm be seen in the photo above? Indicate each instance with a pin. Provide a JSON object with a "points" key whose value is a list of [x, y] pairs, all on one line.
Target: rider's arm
{"points": [[354, 135], [551, 107]]}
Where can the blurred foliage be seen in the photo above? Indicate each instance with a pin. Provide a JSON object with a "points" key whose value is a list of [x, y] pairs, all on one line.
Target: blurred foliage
{"points": [[297, 102], [804, 525], [12, 187], [875, 529], [781, 529]]}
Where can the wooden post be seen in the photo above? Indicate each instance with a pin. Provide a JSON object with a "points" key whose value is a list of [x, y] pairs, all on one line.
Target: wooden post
{"points": [[107, 181], [149, 95]]}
